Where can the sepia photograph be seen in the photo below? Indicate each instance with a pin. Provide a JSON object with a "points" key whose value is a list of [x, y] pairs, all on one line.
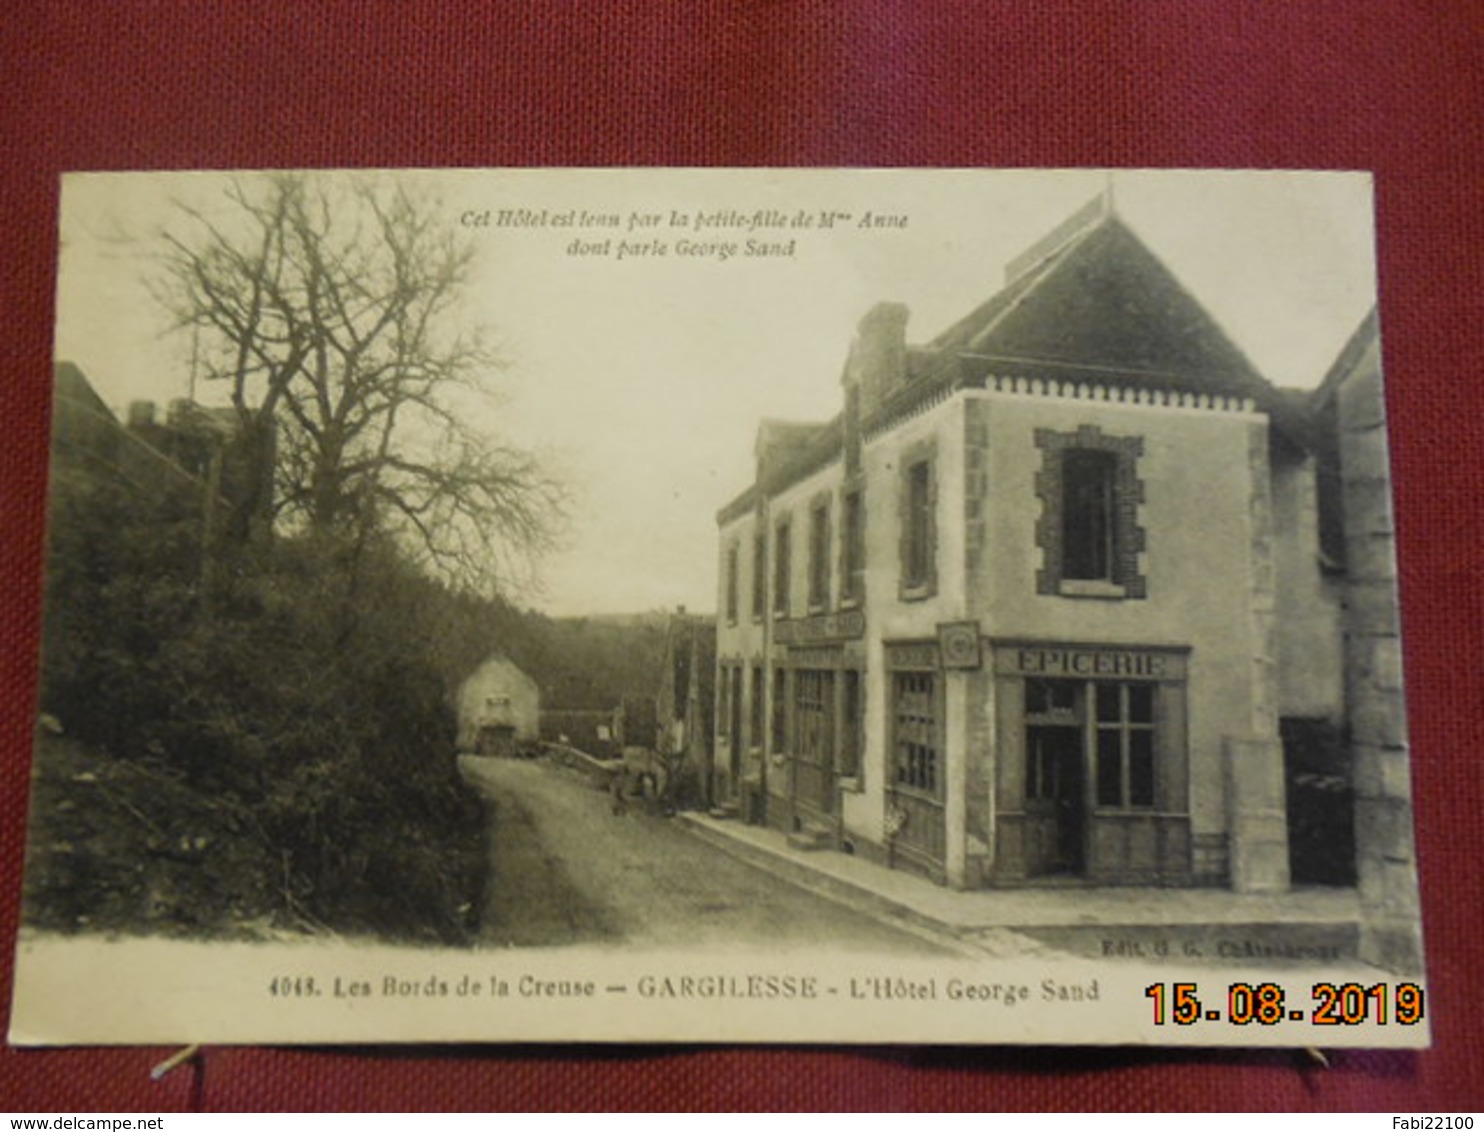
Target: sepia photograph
{"points": [[720, 605]]}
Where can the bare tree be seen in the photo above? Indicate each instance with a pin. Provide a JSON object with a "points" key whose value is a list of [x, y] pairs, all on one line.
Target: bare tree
{"points": [[332, 309]]}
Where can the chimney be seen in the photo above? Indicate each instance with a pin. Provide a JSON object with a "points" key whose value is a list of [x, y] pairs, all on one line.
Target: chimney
{"points": [[878, 357], [141, 414], [777, 443]]}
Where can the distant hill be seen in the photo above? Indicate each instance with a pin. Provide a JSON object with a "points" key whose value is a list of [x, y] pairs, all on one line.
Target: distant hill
{"points": [[597, 662], [588, 662]]}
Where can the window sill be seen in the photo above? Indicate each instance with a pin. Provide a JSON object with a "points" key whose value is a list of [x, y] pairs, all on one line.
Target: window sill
{"points": [[920, 592], [852, 784], [1093, 588], [932, 797]]}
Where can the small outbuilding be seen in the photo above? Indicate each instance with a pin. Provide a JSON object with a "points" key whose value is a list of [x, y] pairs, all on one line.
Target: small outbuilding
{"points": [[499, 709]]}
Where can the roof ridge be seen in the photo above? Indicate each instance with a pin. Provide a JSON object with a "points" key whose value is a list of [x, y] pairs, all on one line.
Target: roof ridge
{"points": [[1026, 270], [1074, 228]]}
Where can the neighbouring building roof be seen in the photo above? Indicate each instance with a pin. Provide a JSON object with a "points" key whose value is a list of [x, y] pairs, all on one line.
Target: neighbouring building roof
{"points": [[499, 666], [1322, 413]]}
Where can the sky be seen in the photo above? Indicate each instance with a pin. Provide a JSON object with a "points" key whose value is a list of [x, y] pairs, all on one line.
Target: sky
{"points": [[643, 344]]}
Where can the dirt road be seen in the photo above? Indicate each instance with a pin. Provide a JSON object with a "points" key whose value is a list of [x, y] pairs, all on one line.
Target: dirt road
{"points": [[566, 870]]}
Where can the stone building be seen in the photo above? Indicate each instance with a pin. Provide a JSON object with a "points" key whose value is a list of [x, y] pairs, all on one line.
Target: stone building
{"points": [[1033, 606], [499, 709], [213, 460], [1349, 411]]}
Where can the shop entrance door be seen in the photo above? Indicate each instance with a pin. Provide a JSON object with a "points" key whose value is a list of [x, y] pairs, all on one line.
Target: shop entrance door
{"points": [[1055, 779], [1056, 808], [813, 748]]}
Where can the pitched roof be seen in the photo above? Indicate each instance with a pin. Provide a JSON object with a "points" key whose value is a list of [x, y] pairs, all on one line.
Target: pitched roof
{"points": [[1099, 301], [1322, 415], [71, 384], [1090, 300]]}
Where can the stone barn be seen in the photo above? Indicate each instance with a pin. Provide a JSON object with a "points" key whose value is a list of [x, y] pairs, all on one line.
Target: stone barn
{"points": [[499, 709]]}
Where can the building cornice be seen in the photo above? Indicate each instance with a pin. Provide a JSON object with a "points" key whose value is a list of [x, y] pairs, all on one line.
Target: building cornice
{"points": [[1013, 376]]}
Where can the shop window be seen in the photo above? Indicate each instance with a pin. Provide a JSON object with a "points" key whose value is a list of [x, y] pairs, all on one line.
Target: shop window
{"points": [[756, 717], [1124, 722], [1121, 733], [1088, 532], [731, 707], [852, 724], [819, 556], [1052, 701], [782, 568], [852, 549], [780, 714], [915, 751], [814, 709]]}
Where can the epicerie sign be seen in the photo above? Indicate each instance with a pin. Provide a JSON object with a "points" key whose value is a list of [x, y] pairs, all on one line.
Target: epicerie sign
{"points": [[1087, 662]]}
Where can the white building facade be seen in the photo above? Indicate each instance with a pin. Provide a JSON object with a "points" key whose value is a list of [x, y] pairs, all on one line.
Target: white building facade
{"points": [[1028, 611], [499, 709]]}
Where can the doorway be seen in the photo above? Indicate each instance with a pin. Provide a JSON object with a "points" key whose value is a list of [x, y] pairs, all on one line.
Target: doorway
{"points": [[1054, 798], [1055, 780]]}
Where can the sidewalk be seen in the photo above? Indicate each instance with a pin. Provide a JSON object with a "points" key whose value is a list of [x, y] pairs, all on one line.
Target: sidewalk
{"points": [[1198, 924]]}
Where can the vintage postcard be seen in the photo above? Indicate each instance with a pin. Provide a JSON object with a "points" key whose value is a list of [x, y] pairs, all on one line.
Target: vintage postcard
{"points": [[720, 605]]}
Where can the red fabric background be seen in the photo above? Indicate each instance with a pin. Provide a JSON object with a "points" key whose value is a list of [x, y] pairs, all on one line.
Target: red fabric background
{"points": [[1389, 85]]}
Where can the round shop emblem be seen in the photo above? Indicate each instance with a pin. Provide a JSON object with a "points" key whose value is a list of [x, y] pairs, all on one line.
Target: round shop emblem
{"points": [[960, 645]]}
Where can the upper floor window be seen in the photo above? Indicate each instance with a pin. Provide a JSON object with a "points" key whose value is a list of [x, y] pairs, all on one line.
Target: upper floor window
{"points": [[782, 567], [1088, 532], [732, 583], [819, 555], [759, 576], [1088, 518], [852, 548], [919, 527]]}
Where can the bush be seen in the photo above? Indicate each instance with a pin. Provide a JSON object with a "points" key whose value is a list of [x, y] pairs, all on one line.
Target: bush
{"points": [[295, 711]]}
